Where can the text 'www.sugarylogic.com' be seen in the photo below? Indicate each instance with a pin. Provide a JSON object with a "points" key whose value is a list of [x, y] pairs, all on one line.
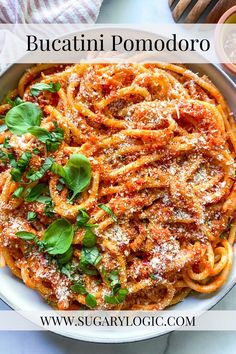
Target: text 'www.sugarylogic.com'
{"points": [[118, 321]]}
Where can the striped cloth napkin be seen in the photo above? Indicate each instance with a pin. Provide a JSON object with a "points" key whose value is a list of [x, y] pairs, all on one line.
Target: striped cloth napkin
{"points": [[49, 11]]}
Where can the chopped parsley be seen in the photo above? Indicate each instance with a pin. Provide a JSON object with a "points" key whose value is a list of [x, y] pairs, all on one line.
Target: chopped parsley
{"points": [[31, 216]]}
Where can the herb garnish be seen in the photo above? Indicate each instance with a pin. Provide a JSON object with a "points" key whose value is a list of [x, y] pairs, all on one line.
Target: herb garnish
{"points": [[76, 173], [35, 175], [118, 297], [90, 299], [18, 192], [89, 258], [51, 87], [20, 166], [108, 210], [52, 139], [57, 239], [31, 216], [22, 117], [14, 102]]}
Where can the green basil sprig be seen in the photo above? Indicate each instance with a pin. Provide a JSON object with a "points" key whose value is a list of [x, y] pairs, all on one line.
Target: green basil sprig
{"points": [[90, 299], [35, 175], [26, 118], [76, 173], [89, 258], [118, 295], [65, 257], [51, 87], [18, 192], [31, 216], [57, 239], [82, 218], [79, 288], [33, 193], [27, 236], [6, 144], [89, 239], [69, 269], [52, 139], [114, 278], [22, 117], [117, 298], [19, 166], [108, 210], [14, 102], [3, 157], [40, 193]]}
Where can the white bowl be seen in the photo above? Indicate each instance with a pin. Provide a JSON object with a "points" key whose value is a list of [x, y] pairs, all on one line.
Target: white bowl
{"points": [[19, 297]]}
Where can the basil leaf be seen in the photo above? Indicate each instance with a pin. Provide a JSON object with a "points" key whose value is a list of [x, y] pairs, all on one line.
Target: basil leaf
{"points": [[105, 274], [58, 170], [114, 277], [45, 199], [16, 174], [82, 218], [79, 288], [49, 208], [3, 156], [22, 117], [91, 301], [89, 239], [36, 151], [69, 270], [33, 193], [118, 298], [108, 211], [51, 87], [89, 257], [65, 257], [24, 160], [14, 102], [31, 216], [43, 169], [18, 192], [12, 160], [91, 225], [41, 133], [28, 236], [24, 235], [58, 237], [6, 144], [19, 166], [51, 139], [78, 174]]}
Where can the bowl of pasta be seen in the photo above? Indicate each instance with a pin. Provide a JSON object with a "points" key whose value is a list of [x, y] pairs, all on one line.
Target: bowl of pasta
{"points": [[117, 188]]}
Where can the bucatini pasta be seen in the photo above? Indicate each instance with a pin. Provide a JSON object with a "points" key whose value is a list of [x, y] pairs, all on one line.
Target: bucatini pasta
{"points": [[117, 184]]}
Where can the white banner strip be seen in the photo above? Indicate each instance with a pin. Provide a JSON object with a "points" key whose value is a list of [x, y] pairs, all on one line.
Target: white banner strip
{"points": [[74, 321], [67, 43]]}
